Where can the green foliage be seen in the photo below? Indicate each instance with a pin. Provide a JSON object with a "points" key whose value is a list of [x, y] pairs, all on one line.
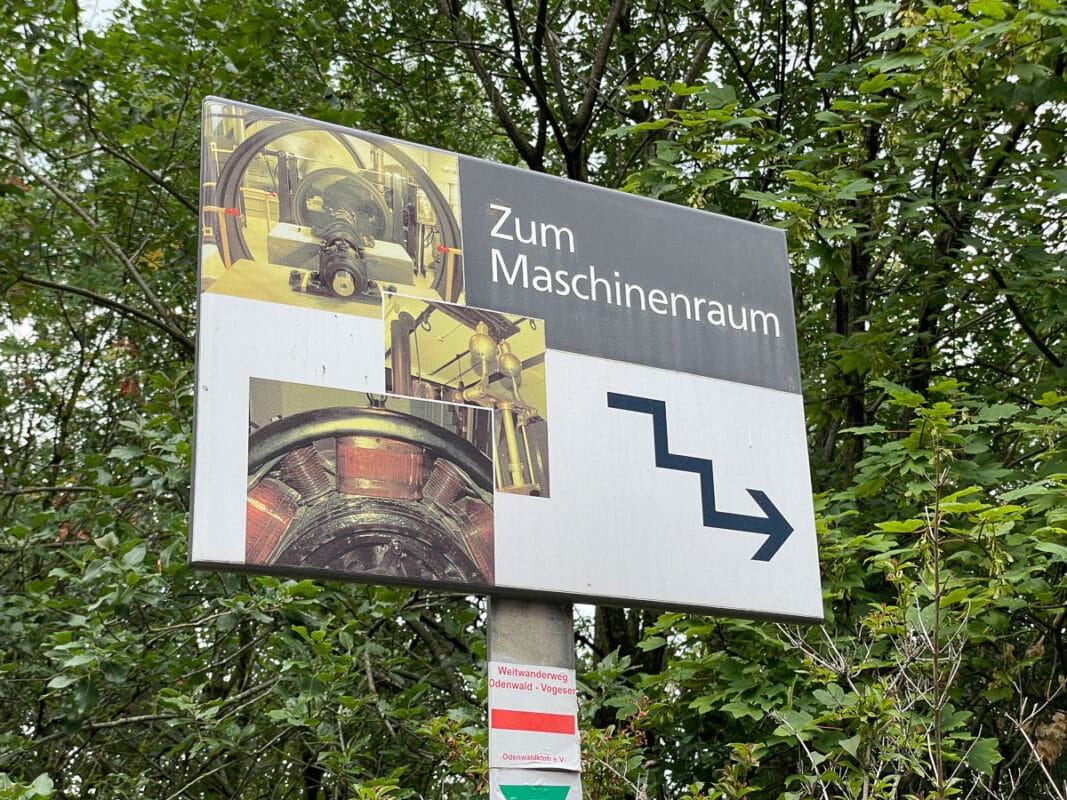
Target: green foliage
{"points": [[936, 663], [914, 167], [914, 155]]}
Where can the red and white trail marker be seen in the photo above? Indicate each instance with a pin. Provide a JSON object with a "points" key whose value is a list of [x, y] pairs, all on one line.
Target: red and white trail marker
{"points": [[533, 717]]}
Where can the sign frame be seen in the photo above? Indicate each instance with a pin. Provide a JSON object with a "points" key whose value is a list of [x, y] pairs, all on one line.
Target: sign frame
{"points": [[662, 402]]}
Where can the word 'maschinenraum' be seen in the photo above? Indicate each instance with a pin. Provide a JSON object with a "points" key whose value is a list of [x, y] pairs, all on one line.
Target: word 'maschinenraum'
{"points": [[588, 285]]}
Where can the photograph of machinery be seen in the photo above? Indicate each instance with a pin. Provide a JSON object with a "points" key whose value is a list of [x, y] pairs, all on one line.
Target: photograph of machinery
{"points": [[482, 358], [369, 485], [304, 213]]}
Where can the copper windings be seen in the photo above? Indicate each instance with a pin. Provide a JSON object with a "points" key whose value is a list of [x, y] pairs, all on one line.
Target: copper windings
{"points": [[476, 526], [375, 467], [270, 508], [445, 484], [304, 471], [410, 499]]}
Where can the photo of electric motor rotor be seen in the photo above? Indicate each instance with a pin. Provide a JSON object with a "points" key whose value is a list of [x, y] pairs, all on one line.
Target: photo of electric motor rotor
{"points": [[482, 358], [308, 214], [369, 486]]}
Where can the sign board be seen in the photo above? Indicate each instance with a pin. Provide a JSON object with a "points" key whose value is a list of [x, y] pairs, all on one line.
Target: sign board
{"points": [[422, 368], [533, 717]]}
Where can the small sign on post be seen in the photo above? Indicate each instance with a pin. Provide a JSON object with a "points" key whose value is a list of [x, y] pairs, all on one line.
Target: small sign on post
{"points": [[533, 717], [526, 784]]}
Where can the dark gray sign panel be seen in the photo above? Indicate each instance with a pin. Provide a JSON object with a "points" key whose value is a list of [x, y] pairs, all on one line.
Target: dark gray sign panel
{"points": [[630, 279]]}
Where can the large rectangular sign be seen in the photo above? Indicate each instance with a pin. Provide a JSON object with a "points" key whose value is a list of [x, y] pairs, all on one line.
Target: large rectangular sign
{"points": [[421, 368]]}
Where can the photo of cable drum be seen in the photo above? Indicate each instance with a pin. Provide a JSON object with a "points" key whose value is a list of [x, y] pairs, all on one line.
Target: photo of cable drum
{"points": [[308, 214], [381, 487]]}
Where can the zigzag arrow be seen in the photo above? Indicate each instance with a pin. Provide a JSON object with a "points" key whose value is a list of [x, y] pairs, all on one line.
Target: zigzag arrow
{"points": [[774, 526]]}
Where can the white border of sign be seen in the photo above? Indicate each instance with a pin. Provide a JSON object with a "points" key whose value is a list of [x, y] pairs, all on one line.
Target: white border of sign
{"points": [[691, 491]]}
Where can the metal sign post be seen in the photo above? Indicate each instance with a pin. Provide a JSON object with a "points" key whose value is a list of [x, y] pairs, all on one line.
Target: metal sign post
{"points": [[534, 748]]}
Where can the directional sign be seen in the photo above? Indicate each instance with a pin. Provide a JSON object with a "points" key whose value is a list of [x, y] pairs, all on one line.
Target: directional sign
{"points": [[426, 369], [533, 717], [772, 524], [530, 784], [525, 792]]}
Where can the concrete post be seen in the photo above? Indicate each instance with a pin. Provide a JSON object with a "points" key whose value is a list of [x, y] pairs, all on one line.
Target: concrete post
{"points": [[524, 632], [532, 633]]}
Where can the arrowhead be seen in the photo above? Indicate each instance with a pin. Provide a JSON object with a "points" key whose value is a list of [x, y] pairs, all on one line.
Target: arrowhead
{"points": [[535, 792], [777, 528]]}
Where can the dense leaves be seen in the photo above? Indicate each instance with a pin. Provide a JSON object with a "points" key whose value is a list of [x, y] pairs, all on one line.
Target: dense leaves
{"points": [[913, 152]]}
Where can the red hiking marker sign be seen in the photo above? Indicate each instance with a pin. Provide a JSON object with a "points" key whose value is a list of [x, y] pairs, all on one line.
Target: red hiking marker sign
{"points": [[533, 717], [533, 721]]}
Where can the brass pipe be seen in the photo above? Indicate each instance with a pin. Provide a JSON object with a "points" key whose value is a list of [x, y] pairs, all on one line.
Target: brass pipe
{"points": [[499, 472], [526, 445], [515, 466]]}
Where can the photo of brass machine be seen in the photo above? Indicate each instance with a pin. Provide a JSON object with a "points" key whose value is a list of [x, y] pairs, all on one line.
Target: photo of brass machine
{"points": [[480, 358], [369, 485], [306, 213]]}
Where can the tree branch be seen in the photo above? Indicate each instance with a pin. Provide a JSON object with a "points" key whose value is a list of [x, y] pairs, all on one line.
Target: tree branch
{"points": [[455, 687], [583, 119], [533, 157], [127, 311], [164, 322]]}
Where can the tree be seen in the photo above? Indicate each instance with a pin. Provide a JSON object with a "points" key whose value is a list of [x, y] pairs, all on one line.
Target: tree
{"points": [[129, 674], [913, 153], [914, 156]]}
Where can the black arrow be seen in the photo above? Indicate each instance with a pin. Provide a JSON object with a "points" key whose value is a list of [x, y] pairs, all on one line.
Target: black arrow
{"points": [[774, 526]]}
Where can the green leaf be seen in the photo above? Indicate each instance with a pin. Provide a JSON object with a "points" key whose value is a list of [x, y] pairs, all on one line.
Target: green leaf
{"points": [[1058, 550], [853, 189], [850, 745], [135, 555], [79, 659], [983, 755], [648, 83], [136, 132], [42, 786], [683, 90], [997, 9], [998, 411], [125, 452], [902, 526], [652, 643], [718, 96], [740, 710], [797, 720]]}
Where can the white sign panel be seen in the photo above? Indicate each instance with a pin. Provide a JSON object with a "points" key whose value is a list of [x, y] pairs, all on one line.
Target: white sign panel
{"points": [[420, 368], [533, 717]]}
